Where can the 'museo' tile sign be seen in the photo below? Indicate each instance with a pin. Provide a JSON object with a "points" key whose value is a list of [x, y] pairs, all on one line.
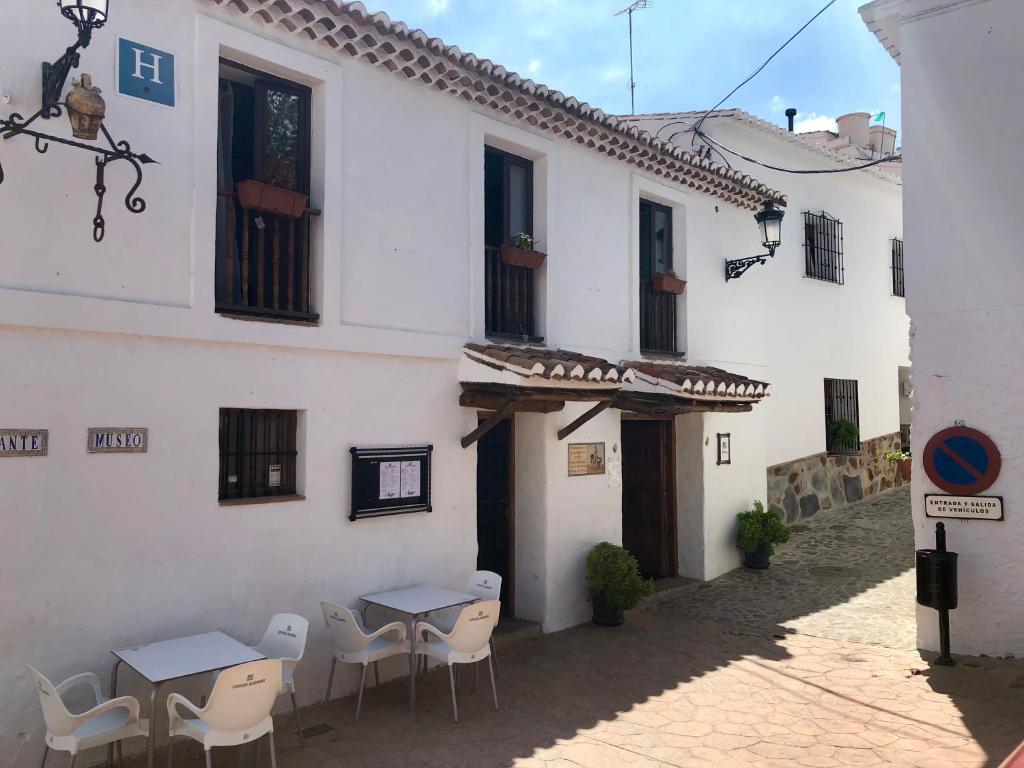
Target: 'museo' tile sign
{"points": [[23, 442], [118, 440]]}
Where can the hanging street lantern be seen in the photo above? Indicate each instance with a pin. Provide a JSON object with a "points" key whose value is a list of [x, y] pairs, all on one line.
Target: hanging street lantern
{"points": [[86, 110], [769, 222]]}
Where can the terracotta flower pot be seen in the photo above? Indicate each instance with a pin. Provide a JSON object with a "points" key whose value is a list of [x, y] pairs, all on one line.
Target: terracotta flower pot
{"points": [[263, 197], [903, 469], [519, 257], [668, 283]]}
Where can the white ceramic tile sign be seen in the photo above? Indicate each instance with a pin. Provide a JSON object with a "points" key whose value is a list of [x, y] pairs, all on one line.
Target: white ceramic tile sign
{"points": [[23, 442], [964, 507], [118, 440]]}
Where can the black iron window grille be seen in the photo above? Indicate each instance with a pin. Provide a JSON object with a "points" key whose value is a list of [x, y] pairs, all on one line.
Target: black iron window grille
{"points": [[823, 247], [658, 321], [898, 286], [842, 416], [257, 453]]}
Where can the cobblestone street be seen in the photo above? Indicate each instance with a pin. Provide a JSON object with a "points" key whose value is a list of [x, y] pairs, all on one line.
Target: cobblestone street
{"points": [[810, 663]]}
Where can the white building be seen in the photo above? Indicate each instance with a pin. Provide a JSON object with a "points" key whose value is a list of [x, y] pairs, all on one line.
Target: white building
{"points": [[390, 321], [961, 118]]}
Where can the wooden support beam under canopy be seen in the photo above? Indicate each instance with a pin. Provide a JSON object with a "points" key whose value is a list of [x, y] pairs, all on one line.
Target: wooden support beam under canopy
{"points": [[488, 425], [582, 419]]}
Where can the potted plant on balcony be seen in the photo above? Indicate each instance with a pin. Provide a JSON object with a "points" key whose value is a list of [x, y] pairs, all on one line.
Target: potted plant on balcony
{"points": [[902, 461], [667, 282], [275, 193], [757, 532], [522, 252], [615, 583]]}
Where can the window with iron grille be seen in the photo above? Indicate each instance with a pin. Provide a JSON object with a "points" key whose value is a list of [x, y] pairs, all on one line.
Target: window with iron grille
{"points": [[898, 288], [842, 410], [257, 453], [823, 247], [657, 308]]}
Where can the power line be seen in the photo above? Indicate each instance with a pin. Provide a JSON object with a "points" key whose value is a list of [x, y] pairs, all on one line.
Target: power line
{"points": [[862, 166]]}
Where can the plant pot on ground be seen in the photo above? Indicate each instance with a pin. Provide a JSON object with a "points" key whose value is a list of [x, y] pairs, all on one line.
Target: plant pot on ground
{"points": [[522, 252], [901, 460], [757, 532], [667, 282], [615, 583]]}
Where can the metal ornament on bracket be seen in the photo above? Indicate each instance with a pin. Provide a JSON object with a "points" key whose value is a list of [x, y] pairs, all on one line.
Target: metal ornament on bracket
{"points": [[86, 17]]}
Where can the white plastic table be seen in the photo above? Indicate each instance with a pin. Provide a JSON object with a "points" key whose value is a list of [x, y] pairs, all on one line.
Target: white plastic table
{"points": [[168, 660], [416, 602]]}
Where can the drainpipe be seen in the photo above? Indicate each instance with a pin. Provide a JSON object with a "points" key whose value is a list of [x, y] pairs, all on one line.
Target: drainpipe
{"points": [[790, 114]]}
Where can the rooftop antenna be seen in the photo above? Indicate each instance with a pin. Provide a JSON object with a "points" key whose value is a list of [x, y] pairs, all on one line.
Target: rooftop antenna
{"points": [[636, 5]]}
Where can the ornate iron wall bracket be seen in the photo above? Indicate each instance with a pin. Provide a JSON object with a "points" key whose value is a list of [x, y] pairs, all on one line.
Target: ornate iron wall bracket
{"points": [[735, 268], [16, 125]]}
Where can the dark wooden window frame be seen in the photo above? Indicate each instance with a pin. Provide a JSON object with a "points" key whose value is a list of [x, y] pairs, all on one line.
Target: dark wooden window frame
{"points": [[899, 287], [842, 401], [510, 292], [294, 292], [659, 318], [823, 248], [244, 446]]}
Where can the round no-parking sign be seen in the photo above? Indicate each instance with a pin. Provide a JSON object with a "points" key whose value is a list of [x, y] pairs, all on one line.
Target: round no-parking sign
{"points": [[961, 460]]}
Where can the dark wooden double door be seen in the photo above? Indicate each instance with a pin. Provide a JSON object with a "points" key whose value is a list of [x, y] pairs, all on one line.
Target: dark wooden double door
{"points": [[495, 524], [649, 495]]}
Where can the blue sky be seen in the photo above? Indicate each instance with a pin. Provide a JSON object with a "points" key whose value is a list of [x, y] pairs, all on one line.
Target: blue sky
{"points": [[687, 53]]}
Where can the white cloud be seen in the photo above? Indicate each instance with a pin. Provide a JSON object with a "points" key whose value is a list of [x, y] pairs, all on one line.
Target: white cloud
{"points": [[812, 121], [437, 7], [894, 88], [534, 66], [614, 73], [777, 104]]}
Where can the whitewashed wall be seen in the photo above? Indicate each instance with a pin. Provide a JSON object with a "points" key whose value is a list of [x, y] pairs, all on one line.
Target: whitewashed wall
{"points": [[962, 166]]}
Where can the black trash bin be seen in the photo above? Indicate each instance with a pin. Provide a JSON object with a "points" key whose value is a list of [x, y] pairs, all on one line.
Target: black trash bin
{"points": [[936, 579]]}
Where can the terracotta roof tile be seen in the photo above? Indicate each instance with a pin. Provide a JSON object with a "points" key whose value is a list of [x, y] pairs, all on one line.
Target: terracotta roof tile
{"points": [[701, 380], [551, 364]]}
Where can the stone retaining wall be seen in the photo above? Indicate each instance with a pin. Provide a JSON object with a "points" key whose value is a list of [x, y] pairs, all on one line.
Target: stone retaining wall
{"points": [[798, 489]]}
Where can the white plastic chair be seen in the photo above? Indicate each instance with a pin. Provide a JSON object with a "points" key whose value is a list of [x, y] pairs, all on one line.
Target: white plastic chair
{"points": [[467, 643], [285, 640], [108, 722], [354, 645], [483, 584], [238, 711]]}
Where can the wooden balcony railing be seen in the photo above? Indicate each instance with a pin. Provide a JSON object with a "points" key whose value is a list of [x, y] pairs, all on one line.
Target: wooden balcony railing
{"points": [[657, 319], [509, 298], [262, 262]]}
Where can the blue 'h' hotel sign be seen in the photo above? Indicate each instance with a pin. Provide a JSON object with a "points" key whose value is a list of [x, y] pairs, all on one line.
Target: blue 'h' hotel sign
{"points": [[144, 72]]}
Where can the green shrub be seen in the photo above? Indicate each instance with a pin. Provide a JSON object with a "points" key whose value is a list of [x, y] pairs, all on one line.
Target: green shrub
{"points": [[842, 435], [614, 572], [758, 526], [895, 456]]}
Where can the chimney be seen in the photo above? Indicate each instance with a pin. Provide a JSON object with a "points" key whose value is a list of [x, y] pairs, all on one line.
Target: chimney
{"points": [[883, 140], [790, 114], [854, 127]]}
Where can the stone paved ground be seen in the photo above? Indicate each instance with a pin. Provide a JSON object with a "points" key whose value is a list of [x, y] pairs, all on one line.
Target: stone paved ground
{"points": [[687, 683]]}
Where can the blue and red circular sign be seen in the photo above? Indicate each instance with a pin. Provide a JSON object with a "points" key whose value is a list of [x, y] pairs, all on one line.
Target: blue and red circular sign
{"points": [[962, 460]]}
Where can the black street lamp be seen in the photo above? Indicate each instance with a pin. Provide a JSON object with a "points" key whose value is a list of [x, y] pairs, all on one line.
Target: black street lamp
{"points": [[769, 222], [86, 111]]}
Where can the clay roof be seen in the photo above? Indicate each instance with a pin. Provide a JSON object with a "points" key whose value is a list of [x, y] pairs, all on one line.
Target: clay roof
{"points": [[550, 364], [349, 29], [801, 140], [699, 381]]}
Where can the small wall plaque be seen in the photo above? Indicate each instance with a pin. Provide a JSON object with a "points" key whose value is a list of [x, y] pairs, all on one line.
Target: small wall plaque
{"points": [[24, 442], [586, 459], [964, 507], [118, 440], [725, 448]]}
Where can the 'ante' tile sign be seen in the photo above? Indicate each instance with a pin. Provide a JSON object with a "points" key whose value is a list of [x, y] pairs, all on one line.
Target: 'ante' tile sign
{"points": [[118, 440], [23, 442]]}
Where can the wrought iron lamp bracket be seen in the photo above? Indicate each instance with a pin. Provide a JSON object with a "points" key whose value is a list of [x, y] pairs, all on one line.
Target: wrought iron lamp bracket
{"points": [[735, 268], [16, 125]]}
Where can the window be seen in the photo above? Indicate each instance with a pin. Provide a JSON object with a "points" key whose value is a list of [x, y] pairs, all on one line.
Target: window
{"points": [[263, 169], [508, 211], [841, 411], [898, 288], [257, 453], [657, 307], [823, 247]]}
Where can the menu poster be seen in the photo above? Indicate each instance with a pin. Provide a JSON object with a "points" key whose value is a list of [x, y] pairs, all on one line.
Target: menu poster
{"points": [[390, 479], [410, 483]]}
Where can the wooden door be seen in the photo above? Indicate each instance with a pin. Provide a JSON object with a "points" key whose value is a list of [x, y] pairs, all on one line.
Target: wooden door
{"points": [[648, 495], [495, 524]]}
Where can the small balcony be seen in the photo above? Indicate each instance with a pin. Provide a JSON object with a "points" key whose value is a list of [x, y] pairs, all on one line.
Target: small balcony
{"points": [[509, 309], [658, 324]]}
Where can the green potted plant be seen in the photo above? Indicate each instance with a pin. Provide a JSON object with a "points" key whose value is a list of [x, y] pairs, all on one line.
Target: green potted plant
{"points": [[522, 252], [615, 583], [902, 461], [757, 532], [276, 193], [842, 435]]}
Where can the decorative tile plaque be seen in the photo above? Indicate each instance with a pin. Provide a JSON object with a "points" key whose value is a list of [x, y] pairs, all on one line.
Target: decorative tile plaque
{"points": [[24, 442], [118, 440]]}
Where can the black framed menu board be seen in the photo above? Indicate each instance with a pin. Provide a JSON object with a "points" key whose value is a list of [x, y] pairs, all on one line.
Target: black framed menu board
{"points": [[390, 481]]}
